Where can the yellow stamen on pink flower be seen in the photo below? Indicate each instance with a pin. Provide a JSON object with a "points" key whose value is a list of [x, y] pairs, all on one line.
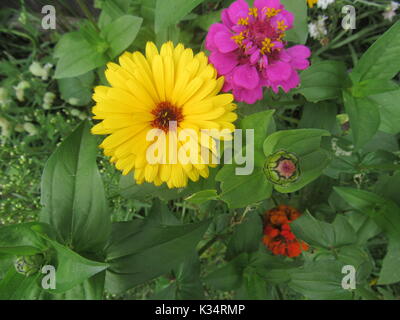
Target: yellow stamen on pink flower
{"points": [[271, 12], [243, 21], [253, 12], [267, 46], [282, 26]]}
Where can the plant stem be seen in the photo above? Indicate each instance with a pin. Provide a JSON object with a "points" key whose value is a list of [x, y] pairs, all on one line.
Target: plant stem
{"points": [[88, 14]]}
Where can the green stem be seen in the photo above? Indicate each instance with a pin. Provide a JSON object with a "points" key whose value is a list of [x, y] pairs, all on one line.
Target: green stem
{"points": [[88, 14]]}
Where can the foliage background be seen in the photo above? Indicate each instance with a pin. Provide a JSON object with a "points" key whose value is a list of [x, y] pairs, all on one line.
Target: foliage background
{"points": [[203, 241]]}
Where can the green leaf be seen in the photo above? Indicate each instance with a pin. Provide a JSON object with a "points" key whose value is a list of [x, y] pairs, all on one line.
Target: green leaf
{"points": [[140, 251], [299, 32], [390, 272], [121, 33], [320, 280], [381, 59], [171, 12], [372, 87], [73, 197], [72, 269], [22, 239], [364, 118], [229, 276], [260, 122], [319, 115], [206, 20], [130, 190], [247, 236], [77, 55], [202, 196], [78, 88], [384, 212], [241, 190], [187, 285], [389, 111], [321, 234], [111, 10], [16, 286], [299, 141], [323, 80]]}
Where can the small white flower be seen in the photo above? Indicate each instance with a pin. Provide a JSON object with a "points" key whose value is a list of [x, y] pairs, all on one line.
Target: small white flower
{"points": [[5, 127], [73, 101], [323, 4], [339, 151], [19, 89], [37, 70], [30, 128], [317, 29], [4, 99], [390, 11]]}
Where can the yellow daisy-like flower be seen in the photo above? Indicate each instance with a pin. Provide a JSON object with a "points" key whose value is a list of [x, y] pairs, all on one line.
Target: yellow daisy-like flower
{"points": [[151, 92], [311, 3]]}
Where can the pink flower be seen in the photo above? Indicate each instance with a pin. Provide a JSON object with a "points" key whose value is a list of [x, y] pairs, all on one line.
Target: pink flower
{"points": [[248, 48]]}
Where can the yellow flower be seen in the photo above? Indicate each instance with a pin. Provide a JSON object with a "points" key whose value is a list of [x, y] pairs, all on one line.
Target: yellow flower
{"points": [[311, 3], [147, 95]]}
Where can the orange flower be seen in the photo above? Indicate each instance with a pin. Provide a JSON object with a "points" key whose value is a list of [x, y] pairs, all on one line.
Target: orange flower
{"points": [[278, 236]]}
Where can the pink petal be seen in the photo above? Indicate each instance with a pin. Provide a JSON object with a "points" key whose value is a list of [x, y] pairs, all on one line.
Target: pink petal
{"points": [[214, 29], [226, 20], [299, 51], [246, 76], [291, 83], [238, 9], [223, 62], [279, 71], [260, 4], [224, 42], [248, 96]]}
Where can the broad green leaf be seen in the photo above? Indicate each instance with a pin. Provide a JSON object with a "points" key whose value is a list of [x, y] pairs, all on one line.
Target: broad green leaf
{"points": [[254, 286], [241, 190], [273, 269], [372, 87], [90, 289], [140, 251], [320, 280], [171, 12], [389, 111], [203, 196], [77, 55], [319, 115], [384, 212], [299, 141], [130, 190], [73, 197], [72, 269], [388, 187], [381, 60], [364, 118], [121, 33], [187, 285], [78, 90], [229, 276], [16, 286], [22, 239], [247, 236], [390, 272], [299, 32], [260, 122], [321, 234], [323, 80]]}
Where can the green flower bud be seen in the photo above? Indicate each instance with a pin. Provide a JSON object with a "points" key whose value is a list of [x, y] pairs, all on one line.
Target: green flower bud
{"points": [[282, 168], [29, 265]]}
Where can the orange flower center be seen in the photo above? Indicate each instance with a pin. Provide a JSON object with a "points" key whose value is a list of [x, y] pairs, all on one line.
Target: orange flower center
{"points": [[164, 113]]}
